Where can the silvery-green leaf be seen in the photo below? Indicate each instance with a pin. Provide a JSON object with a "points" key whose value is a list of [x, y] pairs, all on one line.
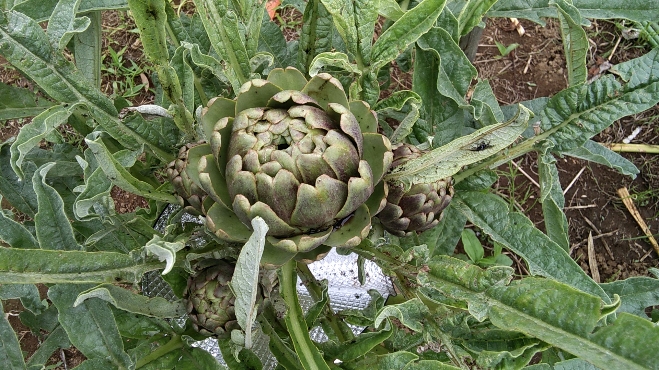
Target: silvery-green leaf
{"points": [[15, 234], [409, 313], [63, 23], [553, 201], [164, 250], [456, 72], [40, 10], [10, 349], [576, 114], [333, 59], [179, 63], [91, 326], [87, 49], [472, 14], [117, 173], [27, 293], [52, 225], [406, 30], [575, 42], [221, 24], [390, 10], [35, 131], [486, 108], [517, 233], [447, 160], [595, 152], [16, 102], [245, 280], [128, 301], [55, 340], [32, 266], [636, 294], [637, 10]]}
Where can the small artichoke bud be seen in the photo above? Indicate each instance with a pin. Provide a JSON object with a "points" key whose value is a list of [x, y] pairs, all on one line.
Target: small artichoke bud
{"points": [[418, 209], [210, 301], [190, 195]]}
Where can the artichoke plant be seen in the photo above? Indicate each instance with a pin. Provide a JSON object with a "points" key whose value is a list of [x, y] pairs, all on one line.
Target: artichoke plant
{"points": [[418, 208], [190, 195], [296, 153], [210, 301]]}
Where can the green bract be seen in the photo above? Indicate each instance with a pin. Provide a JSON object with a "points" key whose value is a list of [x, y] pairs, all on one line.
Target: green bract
{"points": [[210, 301], [190, 195], [418, 209], [297, 154]]}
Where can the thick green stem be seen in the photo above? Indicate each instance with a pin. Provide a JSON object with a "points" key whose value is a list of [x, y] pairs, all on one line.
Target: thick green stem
{"points": [[309, 355], [174, 344]]}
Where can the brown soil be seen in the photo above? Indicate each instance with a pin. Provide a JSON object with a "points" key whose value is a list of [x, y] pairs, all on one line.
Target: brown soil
{"points": [[592, 205]]}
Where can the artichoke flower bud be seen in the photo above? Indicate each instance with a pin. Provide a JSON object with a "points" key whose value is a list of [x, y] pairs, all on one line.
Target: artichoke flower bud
{"points": [[190, 195], [297, 154], [210, 301], [418, 209]]}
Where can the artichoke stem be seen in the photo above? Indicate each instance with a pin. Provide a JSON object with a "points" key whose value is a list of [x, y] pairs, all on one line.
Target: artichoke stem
{"points": [[173, 344], [315, 291], [309, 355]]}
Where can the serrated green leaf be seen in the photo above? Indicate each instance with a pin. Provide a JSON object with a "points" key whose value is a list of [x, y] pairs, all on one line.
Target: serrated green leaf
{"points": [[550, 311], [32, 266], [136, 326], [16, 102], [317, 308], [135, 303], [405, 31], [575, 42], [597, 153], [318, 35], [637, 10], [394, 360], [52, 226], [90, 326], [553, 201], [517, 233], [576, 114], [245, 280], [272, 41], [343, 15], [447, 160], [10, 349]]}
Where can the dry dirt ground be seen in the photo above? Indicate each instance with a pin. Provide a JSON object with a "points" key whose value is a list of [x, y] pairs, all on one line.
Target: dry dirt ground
{"points": [[537, 68], [534, 69]]}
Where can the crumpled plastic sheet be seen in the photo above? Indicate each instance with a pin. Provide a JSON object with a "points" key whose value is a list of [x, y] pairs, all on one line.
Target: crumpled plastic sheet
{"points": [[344, 290]]}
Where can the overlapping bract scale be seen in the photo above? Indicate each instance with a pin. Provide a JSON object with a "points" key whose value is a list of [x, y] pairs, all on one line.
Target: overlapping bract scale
{"points": [[293, 153]]}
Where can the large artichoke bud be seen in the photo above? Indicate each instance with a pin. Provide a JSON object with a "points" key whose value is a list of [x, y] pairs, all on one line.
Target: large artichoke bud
{"points": [[297, 154], [191, 196], [419, 208], [210, 301]]}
